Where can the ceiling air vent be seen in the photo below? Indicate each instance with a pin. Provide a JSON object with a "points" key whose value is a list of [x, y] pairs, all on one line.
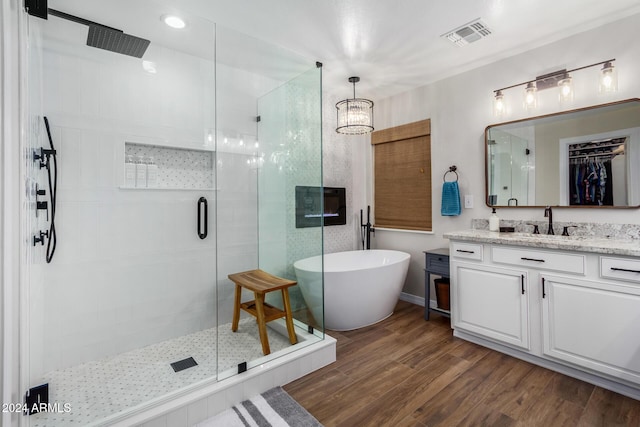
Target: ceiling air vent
{"points": [[468, 33]]}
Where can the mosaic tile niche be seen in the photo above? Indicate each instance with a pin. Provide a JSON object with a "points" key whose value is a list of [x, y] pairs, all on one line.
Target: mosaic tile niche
{"points": [[178, 168]]}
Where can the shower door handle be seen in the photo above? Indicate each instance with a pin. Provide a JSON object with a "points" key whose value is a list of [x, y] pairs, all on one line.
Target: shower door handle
{"points": [[203, 218]]}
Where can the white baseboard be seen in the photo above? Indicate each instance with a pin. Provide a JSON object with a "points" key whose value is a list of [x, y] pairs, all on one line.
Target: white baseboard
{"points": [[413, 299]]}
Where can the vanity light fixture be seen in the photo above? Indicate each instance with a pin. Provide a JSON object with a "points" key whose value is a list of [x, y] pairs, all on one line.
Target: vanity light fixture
{"points": [[354, 116], [174, 21], [560, 79]]}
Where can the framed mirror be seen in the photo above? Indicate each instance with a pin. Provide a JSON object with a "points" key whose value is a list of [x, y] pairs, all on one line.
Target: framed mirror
{"points": [[589, 157]]}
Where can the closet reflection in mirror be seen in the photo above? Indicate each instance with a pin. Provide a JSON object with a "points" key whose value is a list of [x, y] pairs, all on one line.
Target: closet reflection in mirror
{"points": [[581, 158]]}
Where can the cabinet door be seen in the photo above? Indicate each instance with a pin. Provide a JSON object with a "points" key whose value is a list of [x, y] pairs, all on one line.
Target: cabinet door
{"points": [[491, 302], [592, 324]]}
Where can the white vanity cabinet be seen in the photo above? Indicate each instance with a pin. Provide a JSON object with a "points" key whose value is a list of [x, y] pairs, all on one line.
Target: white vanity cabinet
{"points": [[572, 311], [592, 324], [492, 302]]}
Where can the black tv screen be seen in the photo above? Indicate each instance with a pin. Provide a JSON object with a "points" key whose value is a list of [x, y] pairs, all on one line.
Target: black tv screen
{"points": [[315, 204]]}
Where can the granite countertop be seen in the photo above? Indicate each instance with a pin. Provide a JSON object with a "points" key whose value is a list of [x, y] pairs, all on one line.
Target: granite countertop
{"points": [[601, 245]]}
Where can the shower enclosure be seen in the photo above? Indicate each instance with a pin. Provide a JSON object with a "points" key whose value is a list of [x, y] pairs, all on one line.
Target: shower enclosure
{"points": [[173, 171]]}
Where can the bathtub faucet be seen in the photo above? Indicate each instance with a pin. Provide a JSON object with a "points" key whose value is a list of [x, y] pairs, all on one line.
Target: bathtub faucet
{"points": [[366, 229]]}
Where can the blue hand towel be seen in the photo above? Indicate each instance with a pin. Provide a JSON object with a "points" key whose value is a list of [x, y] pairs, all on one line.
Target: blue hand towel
{"points": [[450, 199]]}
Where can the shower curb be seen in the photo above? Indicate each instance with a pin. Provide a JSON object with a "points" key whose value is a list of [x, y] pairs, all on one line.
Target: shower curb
{"points": [[211, 397]]}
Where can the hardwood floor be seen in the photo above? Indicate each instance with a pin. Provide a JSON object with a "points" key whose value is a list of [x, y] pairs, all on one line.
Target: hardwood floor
{"points": [[405, 371]]}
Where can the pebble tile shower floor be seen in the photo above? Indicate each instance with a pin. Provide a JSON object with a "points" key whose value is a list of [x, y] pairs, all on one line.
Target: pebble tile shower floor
{"points": [[104, 387]]}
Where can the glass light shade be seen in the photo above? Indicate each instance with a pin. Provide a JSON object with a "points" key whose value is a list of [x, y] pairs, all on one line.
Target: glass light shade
{"points": [[499, 106], [608, 78], [565, 86], [355, 116], [530, 96]]}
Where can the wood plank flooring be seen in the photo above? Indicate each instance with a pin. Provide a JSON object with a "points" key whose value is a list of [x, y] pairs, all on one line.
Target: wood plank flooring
{"points": [[405, 371]]}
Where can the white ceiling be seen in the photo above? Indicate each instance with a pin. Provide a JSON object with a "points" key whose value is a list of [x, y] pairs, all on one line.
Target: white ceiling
{"points": [[393, 46]]}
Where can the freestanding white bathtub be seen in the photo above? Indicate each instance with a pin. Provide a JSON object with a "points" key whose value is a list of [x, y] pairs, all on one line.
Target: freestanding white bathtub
{"points": [[360, 287]]}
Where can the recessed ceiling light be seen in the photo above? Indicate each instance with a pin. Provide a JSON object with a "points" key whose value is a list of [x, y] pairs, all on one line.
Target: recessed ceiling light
{"points": [[149, 67], [173, 21]]}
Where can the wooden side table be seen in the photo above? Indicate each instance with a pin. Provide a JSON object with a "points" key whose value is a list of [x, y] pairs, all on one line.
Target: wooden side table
{"points": [[436, 262], [261, 283]]}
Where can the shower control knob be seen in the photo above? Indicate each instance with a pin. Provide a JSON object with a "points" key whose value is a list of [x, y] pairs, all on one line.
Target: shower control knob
{"points": [[40, 239]]}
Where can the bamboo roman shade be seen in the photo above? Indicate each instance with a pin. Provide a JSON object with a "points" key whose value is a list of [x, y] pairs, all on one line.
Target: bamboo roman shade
{"points": [[402, 173]]}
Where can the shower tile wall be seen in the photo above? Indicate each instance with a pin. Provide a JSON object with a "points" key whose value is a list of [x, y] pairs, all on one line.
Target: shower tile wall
{"points": [[129, 269]]}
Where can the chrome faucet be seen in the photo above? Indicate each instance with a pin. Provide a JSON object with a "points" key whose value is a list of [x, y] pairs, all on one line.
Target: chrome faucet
{"points": [[548, 213]]}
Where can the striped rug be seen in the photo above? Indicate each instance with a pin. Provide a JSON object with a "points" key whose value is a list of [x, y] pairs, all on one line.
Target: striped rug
{"points": [[272, 408]]}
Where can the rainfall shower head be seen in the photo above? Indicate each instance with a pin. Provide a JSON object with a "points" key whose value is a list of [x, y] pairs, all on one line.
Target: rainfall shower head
{"points": [[116, 41], [108, 38]]}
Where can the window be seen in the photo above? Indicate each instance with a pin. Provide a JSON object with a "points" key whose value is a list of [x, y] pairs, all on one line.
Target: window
{"points": [[402, 174]]}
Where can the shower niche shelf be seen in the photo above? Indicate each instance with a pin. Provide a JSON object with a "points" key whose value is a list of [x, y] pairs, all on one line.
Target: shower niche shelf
{"points": [[178, 168]]}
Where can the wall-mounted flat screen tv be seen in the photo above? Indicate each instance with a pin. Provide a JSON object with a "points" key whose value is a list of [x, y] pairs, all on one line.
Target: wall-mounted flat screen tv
{"points": [[315, 204]]}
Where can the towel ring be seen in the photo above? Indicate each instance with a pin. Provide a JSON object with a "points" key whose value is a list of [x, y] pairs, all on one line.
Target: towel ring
{"points": [[452, 169]]}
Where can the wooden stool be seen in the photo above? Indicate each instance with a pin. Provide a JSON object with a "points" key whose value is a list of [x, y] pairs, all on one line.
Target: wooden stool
{"points": [[262, 283]]}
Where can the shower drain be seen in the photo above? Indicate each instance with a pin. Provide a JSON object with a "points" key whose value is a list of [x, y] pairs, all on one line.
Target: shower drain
{"points": [[183, 364]]}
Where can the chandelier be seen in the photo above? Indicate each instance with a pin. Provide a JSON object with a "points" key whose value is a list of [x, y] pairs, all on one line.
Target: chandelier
{"points": [[355, 116]]}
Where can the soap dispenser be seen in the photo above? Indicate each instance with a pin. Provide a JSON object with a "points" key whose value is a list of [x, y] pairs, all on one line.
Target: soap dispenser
{"points": [[494, 221]]}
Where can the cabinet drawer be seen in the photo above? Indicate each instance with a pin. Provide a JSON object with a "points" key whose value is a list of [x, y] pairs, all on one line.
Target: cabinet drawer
{"points": [[438, 264], [466, 250], [620, 268], [544, 260]]}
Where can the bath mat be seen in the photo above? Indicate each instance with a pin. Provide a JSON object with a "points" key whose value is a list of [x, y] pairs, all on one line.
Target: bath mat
{"points": [[272, 408]]}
